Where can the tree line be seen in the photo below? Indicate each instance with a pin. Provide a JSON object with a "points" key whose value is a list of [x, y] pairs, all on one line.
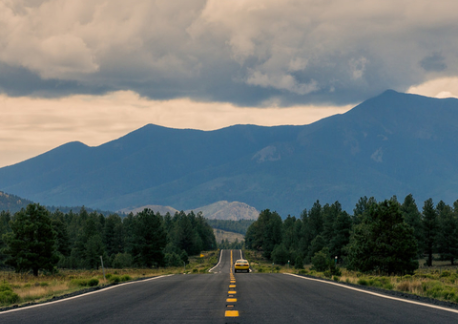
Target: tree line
{"points": [[37, 239], [386, 236]]}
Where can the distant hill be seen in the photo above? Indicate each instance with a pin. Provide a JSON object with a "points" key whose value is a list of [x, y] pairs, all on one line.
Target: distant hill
{"points": [[12, 203], [393, 144], [220, 210]]}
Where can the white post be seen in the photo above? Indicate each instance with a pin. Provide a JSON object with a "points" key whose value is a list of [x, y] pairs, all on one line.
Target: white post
{"points": [[103, 269]]}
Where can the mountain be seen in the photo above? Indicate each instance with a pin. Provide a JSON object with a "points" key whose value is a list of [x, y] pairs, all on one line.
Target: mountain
{"points": [[223, 210], [12, 203], [393, 144]]}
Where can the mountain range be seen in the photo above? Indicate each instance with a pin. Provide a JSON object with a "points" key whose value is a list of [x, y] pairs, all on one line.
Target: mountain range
{"points": [[392, 144]]}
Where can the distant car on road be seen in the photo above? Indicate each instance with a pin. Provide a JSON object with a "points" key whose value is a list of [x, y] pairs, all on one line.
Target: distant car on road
{"points": [[242, 265]]}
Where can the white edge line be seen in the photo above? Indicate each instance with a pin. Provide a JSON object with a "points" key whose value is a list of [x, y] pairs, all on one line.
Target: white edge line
{"points": [[378, 295], [79, 296], [220, 256]]}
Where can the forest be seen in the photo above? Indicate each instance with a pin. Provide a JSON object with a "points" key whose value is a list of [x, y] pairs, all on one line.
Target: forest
{"points": [[36, 239], [388, 236]]}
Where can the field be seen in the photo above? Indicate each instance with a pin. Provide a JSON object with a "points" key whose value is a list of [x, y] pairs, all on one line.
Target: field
{"points": [[17, 289], [439, 281]]}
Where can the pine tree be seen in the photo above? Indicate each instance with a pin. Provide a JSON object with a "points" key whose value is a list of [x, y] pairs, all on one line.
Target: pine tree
{"points": [[430, 228], [447, 238], [383, 241], [31, 244], [412, 217]]}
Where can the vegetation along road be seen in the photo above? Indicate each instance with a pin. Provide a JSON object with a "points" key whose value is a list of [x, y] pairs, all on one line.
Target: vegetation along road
{"points": [[225, 297]]}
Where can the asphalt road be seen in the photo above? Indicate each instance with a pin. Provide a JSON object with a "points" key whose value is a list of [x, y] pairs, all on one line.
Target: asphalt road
{"points": [[199, 298]]}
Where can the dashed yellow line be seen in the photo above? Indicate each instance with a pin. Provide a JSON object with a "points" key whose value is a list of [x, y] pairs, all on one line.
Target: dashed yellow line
{"points": [[232, 313]]}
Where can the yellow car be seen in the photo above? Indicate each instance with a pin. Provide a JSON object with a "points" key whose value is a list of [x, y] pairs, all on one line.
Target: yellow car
{"points": [[242, 265]]}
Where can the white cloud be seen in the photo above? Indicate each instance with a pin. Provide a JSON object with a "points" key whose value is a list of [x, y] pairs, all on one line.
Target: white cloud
{"points": [[294, 51], [439, 88]]}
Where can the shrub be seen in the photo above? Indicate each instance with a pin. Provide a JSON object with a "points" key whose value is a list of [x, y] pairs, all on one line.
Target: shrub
{"points": [[404, 286], [8, 297], [78, 282], [5, 287], [336, 278], [320, 260], [327, 274], [299, 263], [44, 284], [125, 278], [362, 282], [93, 282], [108, 276], [115, 279], [445, 274]]}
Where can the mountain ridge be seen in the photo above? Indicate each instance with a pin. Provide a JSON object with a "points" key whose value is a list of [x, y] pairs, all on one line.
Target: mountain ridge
{"points": [[392, 144]]}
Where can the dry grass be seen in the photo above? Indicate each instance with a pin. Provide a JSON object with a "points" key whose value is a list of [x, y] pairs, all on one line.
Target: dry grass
{"points": [[439, 282], [37, 289]]}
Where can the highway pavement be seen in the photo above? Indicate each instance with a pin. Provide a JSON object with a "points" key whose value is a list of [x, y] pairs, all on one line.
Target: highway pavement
{"points": [[225, 297]]}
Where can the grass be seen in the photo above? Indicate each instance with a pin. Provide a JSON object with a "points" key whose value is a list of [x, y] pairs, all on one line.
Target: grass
{"points": [[439, 281], [28, 288]]}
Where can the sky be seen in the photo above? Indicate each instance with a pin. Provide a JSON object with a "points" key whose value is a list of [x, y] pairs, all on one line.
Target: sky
{"points": [[93, 71]]}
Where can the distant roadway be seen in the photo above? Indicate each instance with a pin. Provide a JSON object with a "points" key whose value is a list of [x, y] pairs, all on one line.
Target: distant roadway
{"points": [[223, 297]]}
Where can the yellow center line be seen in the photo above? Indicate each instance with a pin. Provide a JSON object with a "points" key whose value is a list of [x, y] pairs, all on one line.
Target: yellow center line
{"points": [[231, 300], [232, 313]]}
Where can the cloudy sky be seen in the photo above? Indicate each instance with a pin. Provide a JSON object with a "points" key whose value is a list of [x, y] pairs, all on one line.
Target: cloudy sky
{"points": [[95, 70]]}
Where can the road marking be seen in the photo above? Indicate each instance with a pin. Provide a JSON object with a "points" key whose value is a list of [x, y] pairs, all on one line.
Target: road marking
{"points": [[231, 292], [232, 313], [220, 256], [82, 295], [231, 286], [231, 300], [376, 294]]}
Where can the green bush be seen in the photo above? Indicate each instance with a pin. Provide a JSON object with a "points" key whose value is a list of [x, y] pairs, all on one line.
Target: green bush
{"points": [[363, 282], [93, 282], [125, 278], [327, 274], [44, 284], [320, 260], [108, 276], [8, 297], [194, 270], [299, 263], [445, 273], [5, 287], [336, 278], [79, 282], [115, 279]]}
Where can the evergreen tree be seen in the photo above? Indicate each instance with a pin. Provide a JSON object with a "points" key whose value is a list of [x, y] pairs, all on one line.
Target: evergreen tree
{"points": [[31, 243], [149, 239], [383, 241], [412, 217], [430, 228], [62, 238], [447, 238]]}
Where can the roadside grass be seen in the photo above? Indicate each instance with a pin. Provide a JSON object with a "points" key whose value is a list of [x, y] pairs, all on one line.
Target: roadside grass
{"points": [[17, 289], [439, 281]]}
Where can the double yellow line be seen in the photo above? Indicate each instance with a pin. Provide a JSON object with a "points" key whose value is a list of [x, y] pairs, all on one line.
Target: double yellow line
{"points": [[231, 294]]}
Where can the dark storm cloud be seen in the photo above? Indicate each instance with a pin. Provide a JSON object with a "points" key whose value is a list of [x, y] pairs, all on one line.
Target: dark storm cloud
{"points": [[258, 52], [434, 62]]}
